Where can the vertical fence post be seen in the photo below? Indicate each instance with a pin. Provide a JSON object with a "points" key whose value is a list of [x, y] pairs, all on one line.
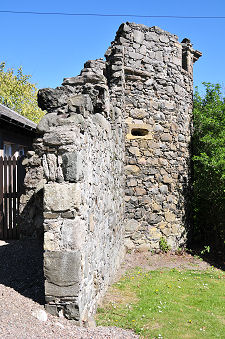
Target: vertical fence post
{"points": [[12, 175], [10, 226], [5, 199], [14, 211], [1, 197]]}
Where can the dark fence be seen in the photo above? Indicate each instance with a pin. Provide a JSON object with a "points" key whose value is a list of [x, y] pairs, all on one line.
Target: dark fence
{"points": [[11, 187]]}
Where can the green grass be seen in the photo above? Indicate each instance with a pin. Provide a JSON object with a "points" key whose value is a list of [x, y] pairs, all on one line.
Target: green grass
{"points": [[167, 304]]}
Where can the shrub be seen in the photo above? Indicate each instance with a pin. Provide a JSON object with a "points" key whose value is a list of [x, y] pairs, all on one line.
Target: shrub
{"points": [[209, 168]]}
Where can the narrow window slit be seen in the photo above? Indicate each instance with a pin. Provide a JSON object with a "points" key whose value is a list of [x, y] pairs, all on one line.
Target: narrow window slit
{"points": [[139, 132]]}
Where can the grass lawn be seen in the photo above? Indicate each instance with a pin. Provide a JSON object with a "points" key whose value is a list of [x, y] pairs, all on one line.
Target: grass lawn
{"points": [[168, 304]]}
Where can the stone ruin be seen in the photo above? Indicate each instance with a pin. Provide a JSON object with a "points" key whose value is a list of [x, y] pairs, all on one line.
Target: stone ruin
{"points": [[110, 168]]}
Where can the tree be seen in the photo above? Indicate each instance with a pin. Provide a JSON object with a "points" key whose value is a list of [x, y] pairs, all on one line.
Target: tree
{"points": [[209, 167], [17, 93]]}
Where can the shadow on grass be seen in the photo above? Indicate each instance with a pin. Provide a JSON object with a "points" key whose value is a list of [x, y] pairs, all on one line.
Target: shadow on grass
{"points": [[21, 268], [216, 259]]}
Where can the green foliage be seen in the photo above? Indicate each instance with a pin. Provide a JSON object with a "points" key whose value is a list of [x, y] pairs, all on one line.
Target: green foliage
{"points": [[206, 249], [209, 167], [164, 247], [167, 304], [17, 93]]}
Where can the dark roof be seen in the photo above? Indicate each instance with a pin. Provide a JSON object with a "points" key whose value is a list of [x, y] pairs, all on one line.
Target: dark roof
{"points": [[14, 118]]}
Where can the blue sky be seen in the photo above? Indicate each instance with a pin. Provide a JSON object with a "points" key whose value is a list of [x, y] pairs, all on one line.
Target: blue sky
{"points": [[53, 47]]}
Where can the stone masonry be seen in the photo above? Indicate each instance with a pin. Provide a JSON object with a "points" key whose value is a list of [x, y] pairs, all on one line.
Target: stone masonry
{"points": [[158, 115], [111, 165]]}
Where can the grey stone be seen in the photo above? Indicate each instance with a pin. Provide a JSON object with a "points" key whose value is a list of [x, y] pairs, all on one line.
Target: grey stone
{"points": [[163, 189], [164, 38], [61, 197], [138, 36], [131, 226], [49, 99], [62, 273], [154, 218], [152, 36], [135, 56], [46, 122], [71, 311], [80, 104], [72, 166]]}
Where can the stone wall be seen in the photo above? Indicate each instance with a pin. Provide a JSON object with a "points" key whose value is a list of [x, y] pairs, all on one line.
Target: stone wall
{"points": [[119, 132], [158, 116], [80, 174]]}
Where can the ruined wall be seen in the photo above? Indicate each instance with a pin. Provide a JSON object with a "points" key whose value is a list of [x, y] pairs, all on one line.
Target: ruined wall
{"points": [[158, 115], [82, 152], [119, 132]]}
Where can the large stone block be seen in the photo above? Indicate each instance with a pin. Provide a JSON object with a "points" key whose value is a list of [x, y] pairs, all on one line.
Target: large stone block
{"points": [[80, 104], [61, 197], [73, 233], [72, 166], [62, 271], [49, 99]]}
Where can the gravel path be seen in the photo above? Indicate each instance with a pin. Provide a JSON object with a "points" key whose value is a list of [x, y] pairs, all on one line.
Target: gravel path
{"points": [[22, 293]]}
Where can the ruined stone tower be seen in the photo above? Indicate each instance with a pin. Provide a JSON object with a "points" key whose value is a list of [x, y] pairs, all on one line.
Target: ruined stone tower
{"points": [[158, 117], [111, 165]]}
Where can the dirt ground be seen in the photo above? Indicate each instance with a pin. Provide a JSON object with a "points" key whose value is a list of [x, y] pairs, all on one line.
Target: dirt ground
{"points": [[22, 295], [150, 262], [22, 292]]}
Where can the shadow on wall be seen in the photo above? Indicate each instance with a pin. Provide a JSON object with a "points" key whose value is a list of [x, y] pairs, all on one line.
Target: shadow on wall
{"points": [[21, 267], [31, 216]]}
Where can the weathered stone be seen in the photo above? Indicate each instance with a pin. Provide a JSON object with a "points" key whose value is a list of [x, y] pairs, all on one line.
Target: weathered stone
{"points": [[163, 189], [73, 234], [132, 182], [61, 197], [131, 226], [169, 216], [132, 169], [166, 179], [80, 104], [48, 215], [152, 36], [129, 244], [140, 191], [55, 139], [166, 137], [164, 38], [68, 214], [62, 272], [135, 56], [72, 166], [135, 151], [154, 233], [47, 122], [138, 36], [49, 99], [154, 218]]}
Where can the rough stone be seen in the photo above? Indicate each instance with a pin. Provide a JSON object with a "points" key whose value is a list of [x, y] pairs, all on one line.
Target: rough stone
{"points": [[40, 315], [61, 197], [138, 36], [169, 216], [72, 166], [122, 126], [80, 104], [62, 272], [131, 225]]}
